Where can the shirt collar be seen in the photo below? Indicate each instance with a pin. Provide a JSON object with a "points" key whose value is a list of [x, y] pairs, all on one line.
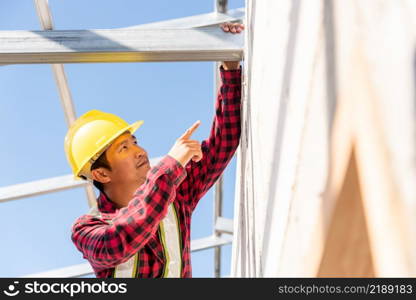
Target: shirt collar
{"points": [[105, 205]]}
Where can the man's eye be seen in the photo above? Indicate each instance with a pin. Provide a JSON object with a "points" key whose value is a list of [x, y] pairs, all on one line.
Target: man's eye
{"points": [[135, 142], [124, 147]]}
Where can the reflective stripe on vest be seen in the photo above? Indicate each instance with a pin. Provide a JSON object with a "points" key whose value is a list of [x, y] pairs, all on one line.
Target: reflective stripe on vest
{"points": [[128, 268], [170, 239]]}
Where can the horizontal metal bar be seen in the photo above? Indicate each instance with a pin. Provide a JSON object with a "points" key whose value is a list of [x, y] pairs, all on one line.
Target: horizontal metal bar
{"points": [[44, 186], [39, 187], [203, 20], [128, 45], [224, 225], [210, 242], [67, 272], [86, 269]]}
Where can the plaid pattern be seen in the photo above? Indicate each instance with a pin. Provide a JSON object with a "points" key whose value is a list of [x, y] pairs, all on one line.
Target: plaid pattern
{"points": [[115, 235]]}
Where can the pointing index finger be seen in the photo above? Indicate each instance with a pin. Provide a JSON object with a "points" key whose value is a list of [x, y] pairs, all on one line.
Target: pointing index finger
{"points": [[190, 130]]}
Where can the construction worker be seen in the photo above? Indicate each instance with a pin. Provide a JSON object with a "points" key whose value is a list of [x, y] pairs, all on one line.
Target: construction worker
{"points": [[141, 225]]}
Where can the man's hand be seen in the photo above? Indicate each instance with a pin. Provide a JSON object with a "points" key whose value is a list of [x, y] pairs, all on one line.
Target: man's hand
{"points": [[233, 28], [186, 149]]}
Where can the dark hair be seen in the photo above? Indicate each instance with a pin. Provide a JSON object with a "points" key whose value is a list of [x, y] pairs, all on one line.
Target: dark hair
{"points": [[101, 162]]}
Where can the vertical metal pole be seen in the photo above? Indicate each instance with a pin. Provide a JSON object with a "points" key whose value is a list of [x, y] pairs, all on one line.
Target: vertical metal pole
{"points": [[221, 7], [45, 19]]}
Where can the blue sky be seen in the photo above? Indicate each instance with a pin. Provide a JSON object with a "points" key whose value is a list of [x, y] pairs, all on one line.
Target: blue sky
{"points": [[169, 97]]}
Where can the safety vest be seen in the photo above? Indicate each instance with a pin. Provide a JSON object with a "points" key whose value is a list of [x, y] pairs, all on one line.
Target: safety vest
{"points": [[169, 234]]}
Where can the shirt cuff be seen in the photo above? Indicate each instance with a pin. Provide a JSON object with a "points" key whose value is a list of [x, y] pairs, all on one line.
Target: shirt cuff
{"points": [[230, 76], [173, 169]]}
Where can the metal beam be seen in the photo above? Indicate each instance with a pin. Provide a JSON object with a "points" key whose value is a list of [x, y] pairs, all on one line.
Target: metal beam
{"points": [[46, 22], [44, 14], [66, 272], [86, 269], [45, 186], [45, 19], [197, 21], [39, 187], [224, 225], [211, 241], [220, 7], [135, 45], [218, 192]]}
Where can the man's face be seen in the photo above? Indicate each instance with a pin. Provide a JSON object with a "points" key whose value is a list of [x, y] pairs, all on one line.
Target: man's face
{"points": [[129, 162]]}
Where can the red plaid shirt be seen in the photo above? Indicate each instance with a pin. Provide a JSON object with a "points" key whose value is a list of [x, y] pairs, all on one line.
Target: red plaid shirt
{"points": [[117, 234]]}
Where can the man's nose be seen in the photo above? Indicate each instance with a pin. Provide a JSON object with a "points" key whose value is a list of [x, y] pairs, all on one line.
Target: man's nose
{"points": [[140, 152]]}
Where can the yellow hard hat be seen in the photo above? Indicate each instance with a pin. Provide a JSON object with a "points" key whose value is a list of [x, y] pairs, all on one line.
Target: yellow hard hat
{"points": [[90, 135]]}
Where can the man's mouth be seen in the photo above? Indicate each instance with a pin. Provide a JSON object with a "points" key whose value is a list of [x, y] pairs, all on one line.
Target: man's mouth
{"points": [[142, 163]]}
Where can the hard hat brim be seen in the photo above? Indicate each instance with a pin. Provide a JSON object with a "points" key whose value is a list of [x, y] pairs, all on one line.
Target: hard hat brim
{"points": [[136, 125]]}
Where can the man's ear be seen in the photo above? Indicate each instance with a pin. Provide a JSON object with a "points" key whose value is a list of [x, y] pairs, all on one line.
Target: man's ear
{"points": [[101, 175]]}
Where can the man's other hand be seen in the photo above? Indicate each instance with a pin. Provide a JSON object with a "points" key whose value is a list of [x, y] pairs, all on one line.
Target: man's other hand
{"points": [[232, 28]]}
